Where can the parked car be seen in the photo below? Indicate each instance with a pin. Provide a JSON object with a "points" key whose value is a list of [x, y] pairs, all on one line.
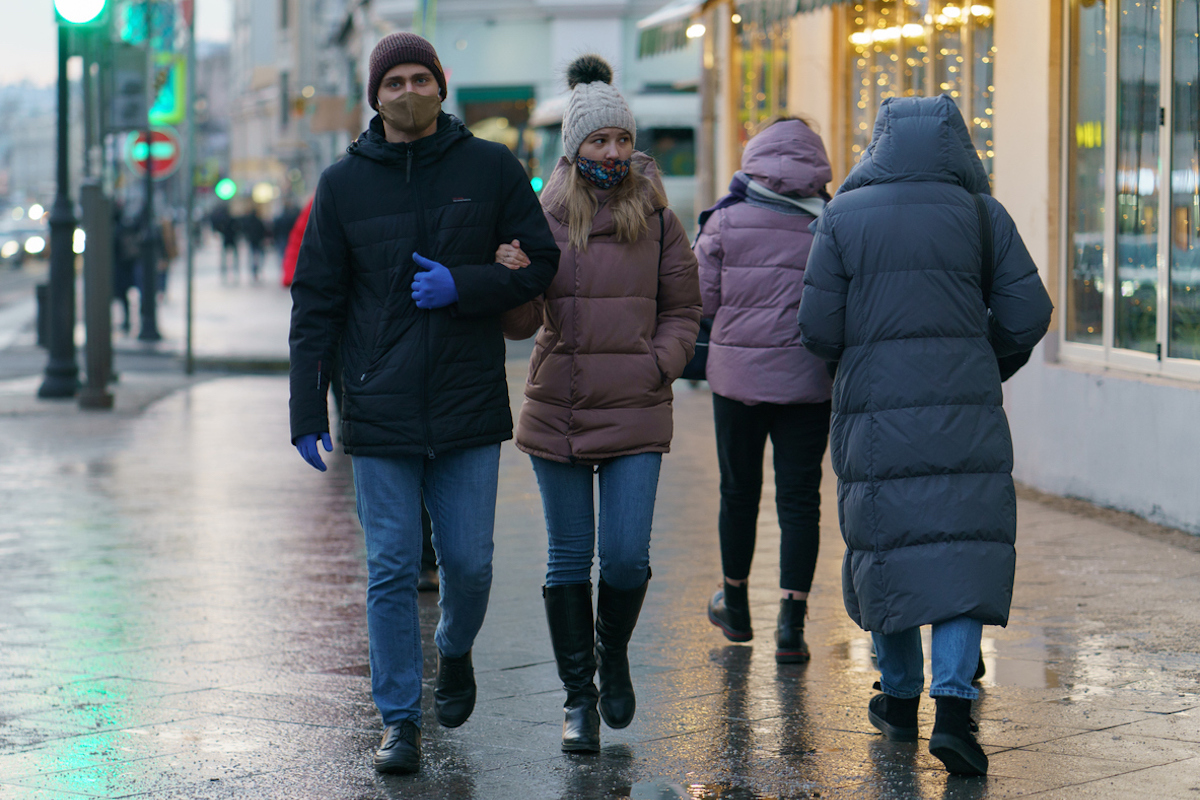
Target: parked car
{"points": [[23, 239]]}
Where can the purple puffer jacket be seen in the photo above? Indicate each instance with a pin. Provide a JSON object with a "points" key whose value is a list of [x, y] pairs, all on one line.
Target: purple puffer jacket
{"points": [[752, 274]]}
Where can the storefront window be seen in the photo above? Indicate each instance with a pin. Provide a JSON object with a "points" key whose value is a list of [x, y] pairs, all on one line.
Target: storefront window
{"points": [[1185, 183], [905, 48], [1138, 68], [760, 58], [1155, 147], [1085, 157]]}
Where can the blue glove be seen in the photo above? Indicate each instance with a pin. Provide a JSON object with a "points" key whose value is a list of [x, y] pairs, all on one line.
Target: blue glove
{"points": [[306, 445], [433, 286]]}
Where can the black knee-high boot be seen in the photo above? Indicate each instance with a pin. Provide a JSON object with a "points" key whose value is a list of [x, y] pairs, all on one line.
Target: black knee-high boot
{"points": [[569, 614], [617, 613]]}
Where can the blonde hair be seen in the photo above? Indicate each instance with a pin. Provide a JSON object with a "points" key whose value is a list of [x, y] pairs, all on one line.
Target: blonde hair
{"points": [[631, 201]]}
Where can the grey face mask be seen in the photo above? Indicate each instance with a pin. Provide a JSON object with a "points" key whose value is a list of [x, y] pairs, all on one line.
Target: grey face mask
{"points": [[411, 113]]}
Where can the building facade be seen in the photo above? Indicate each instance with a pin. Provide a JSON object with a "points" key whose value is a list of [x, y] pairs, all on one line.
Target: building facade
{"points": [[505, 62], [1086, 114], [286, 74]]}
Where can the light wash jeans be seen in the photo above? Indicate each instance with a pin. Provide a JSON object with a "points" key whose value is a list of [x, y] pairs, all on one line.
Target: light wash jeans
{"points": [[459, 489], [954, 659], [628, 485]]}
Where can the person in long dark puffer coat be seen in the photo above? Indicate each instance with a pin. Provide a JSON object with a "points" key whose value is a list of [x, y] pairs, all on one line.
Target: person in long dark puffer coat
{"points": [[920, 443]]}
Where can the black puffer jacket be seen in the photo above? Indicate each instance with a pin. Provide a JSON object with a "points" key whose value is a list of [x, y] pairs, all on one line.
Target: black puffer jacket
{"points": [[919, 439], [416, 381]]}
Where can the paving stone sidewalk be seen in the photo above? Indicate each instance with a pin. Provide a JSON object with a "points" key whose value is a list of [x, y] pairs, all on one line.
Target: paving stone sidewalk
{"points": [[182, 616]]}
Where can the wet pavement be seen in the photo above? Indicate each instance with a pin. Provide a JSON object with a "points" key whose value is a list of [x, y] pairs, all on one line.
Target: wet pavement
{"points": [[182, 616]]}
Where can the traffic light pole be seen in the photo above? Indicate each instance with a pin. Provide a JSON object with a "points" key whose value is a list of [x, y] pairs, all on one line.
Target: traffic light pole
{"points": [[62, 371], [189, 163]]}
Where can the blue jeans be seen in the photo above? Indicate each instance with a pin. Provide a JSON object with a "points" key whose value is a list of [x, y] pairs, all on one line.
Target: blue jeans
{"points": [[628, 485], [459, 489], [954, 659]]}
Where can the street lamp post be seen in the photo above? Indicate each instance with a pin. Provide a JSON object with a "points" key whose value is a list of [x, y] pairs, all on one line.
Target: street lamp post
{"points": [[148, 295], [62, 372]]}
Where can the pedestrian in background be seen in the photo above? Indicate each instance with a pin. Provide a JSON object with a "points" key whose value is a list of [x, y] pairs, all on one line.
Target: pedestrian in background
{"points": [[125, 257], [752, 249], [425, 400], [618, 325], [896, 293], [254, 231], [225, 225]]}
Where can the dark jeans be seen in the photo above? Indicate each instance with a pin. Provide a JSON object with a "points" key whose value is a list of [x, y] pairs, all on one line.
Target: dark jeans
{"points": [[799, 434]]}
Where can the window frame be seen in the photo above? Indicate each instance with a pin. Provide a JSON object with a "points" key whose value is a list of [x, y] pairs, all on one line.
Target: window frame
{"points": [[1107, 354]]}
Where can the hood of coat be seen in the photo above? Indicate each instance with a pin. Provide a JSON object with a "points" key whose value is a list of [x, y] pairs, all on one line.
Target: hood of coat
{"points": [[788, 158], [919, 139], [373, 144], [603, 222]]}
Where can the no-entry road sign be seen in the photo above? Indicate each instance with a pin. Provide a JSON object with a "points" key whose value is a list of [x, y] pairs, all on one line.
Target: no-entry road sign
{"points": [[164, 152]]}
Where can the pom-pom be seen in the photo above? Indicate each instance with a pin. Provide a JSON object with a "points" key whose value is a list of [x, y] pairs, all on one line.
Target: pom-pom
{"points": [[588, 69]]}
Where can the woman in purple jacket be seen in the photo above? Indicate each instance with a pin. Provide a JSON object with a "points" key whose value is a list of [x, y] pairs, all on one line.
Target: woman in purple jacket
{"points": [[752, 249]]}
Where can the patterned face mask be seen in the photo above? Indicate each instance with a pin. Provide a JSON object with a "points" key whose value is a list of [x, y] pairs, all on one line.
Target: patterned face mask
{"points": [[603, 174]]}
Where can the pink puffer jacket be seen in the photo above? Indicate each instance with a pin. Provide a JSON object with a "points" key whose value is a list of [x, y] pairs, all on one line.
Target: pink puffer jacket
{"points": [[616, 329], [752, 275]]}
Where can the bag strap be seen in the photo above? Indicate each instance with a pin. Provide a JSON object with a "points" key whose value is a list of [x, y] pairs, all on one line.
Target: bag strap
{"points": [[985, 229]]}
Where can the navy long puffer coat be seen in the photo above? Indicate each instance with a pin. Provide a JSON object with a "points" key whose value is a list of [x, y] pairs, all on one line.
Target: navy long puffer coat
{"points": [[919, 439]]}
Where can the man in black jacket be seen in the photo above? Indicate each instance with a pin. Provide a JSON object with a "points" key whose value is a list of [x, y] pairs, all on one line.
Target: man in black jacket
{"points": [[397, 265]]}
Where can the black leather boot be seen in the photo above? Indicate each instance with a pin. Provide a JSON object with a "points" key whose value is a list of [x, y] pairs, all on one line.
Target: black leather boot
{"points": [[952, 741], [617, 613], [790, 647], [729, 610], [569, 615]]}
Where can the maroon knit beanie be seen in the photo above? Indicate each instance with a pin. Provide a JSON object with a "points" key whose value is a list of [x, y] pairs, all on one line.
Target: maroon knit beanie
{"points": [[402, 48]]}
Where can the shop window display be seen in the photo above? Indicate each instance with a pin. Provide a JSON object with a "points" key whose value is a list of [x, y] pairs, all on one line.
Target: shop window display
{"points": [[760, 58], [905, 48]]}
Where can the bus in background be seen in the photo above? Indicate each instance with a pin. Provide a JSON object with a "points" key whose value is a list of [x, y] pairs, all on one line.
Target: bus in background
{"points": [[666, 124]]}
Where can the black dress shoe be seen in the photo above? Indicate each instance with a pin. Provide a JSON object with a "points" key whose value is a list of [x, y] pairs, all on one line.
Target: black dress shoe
{"points": [[454, 690], [399, 752]]}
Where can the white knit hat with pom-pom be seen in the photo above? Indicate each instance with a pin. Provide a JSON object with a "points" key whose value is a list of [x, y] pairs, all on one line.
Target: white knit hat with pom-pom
{"points": [[594, 104]]}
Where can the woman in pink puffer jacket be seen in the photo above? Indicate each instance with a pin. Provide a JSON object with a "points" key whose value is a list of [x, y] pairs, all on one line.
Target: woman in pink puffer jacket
{"points": [[752, 249]]}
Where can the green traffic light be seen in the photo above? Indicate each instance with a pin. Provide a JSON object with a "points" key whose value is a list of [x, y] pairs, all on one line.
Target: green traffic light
{"points": [[536, 183], [225, 189], [79, 12]]}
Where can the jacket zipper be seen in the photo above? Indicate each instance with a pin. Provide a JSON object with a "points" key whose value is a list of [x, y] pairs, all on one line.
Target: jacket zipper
{"points": [[425, 315]]}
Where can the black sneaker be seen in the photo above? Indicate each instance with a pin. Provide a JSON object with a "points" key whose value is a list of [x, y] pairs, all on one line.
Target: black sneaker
{"points": [[895, 718], [454, 690], [399, 751]]}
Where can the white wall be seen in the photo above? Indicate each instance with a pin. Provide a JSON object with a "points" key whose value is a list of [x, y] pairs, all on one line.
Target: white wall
{"points": [[1114, 439]]}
